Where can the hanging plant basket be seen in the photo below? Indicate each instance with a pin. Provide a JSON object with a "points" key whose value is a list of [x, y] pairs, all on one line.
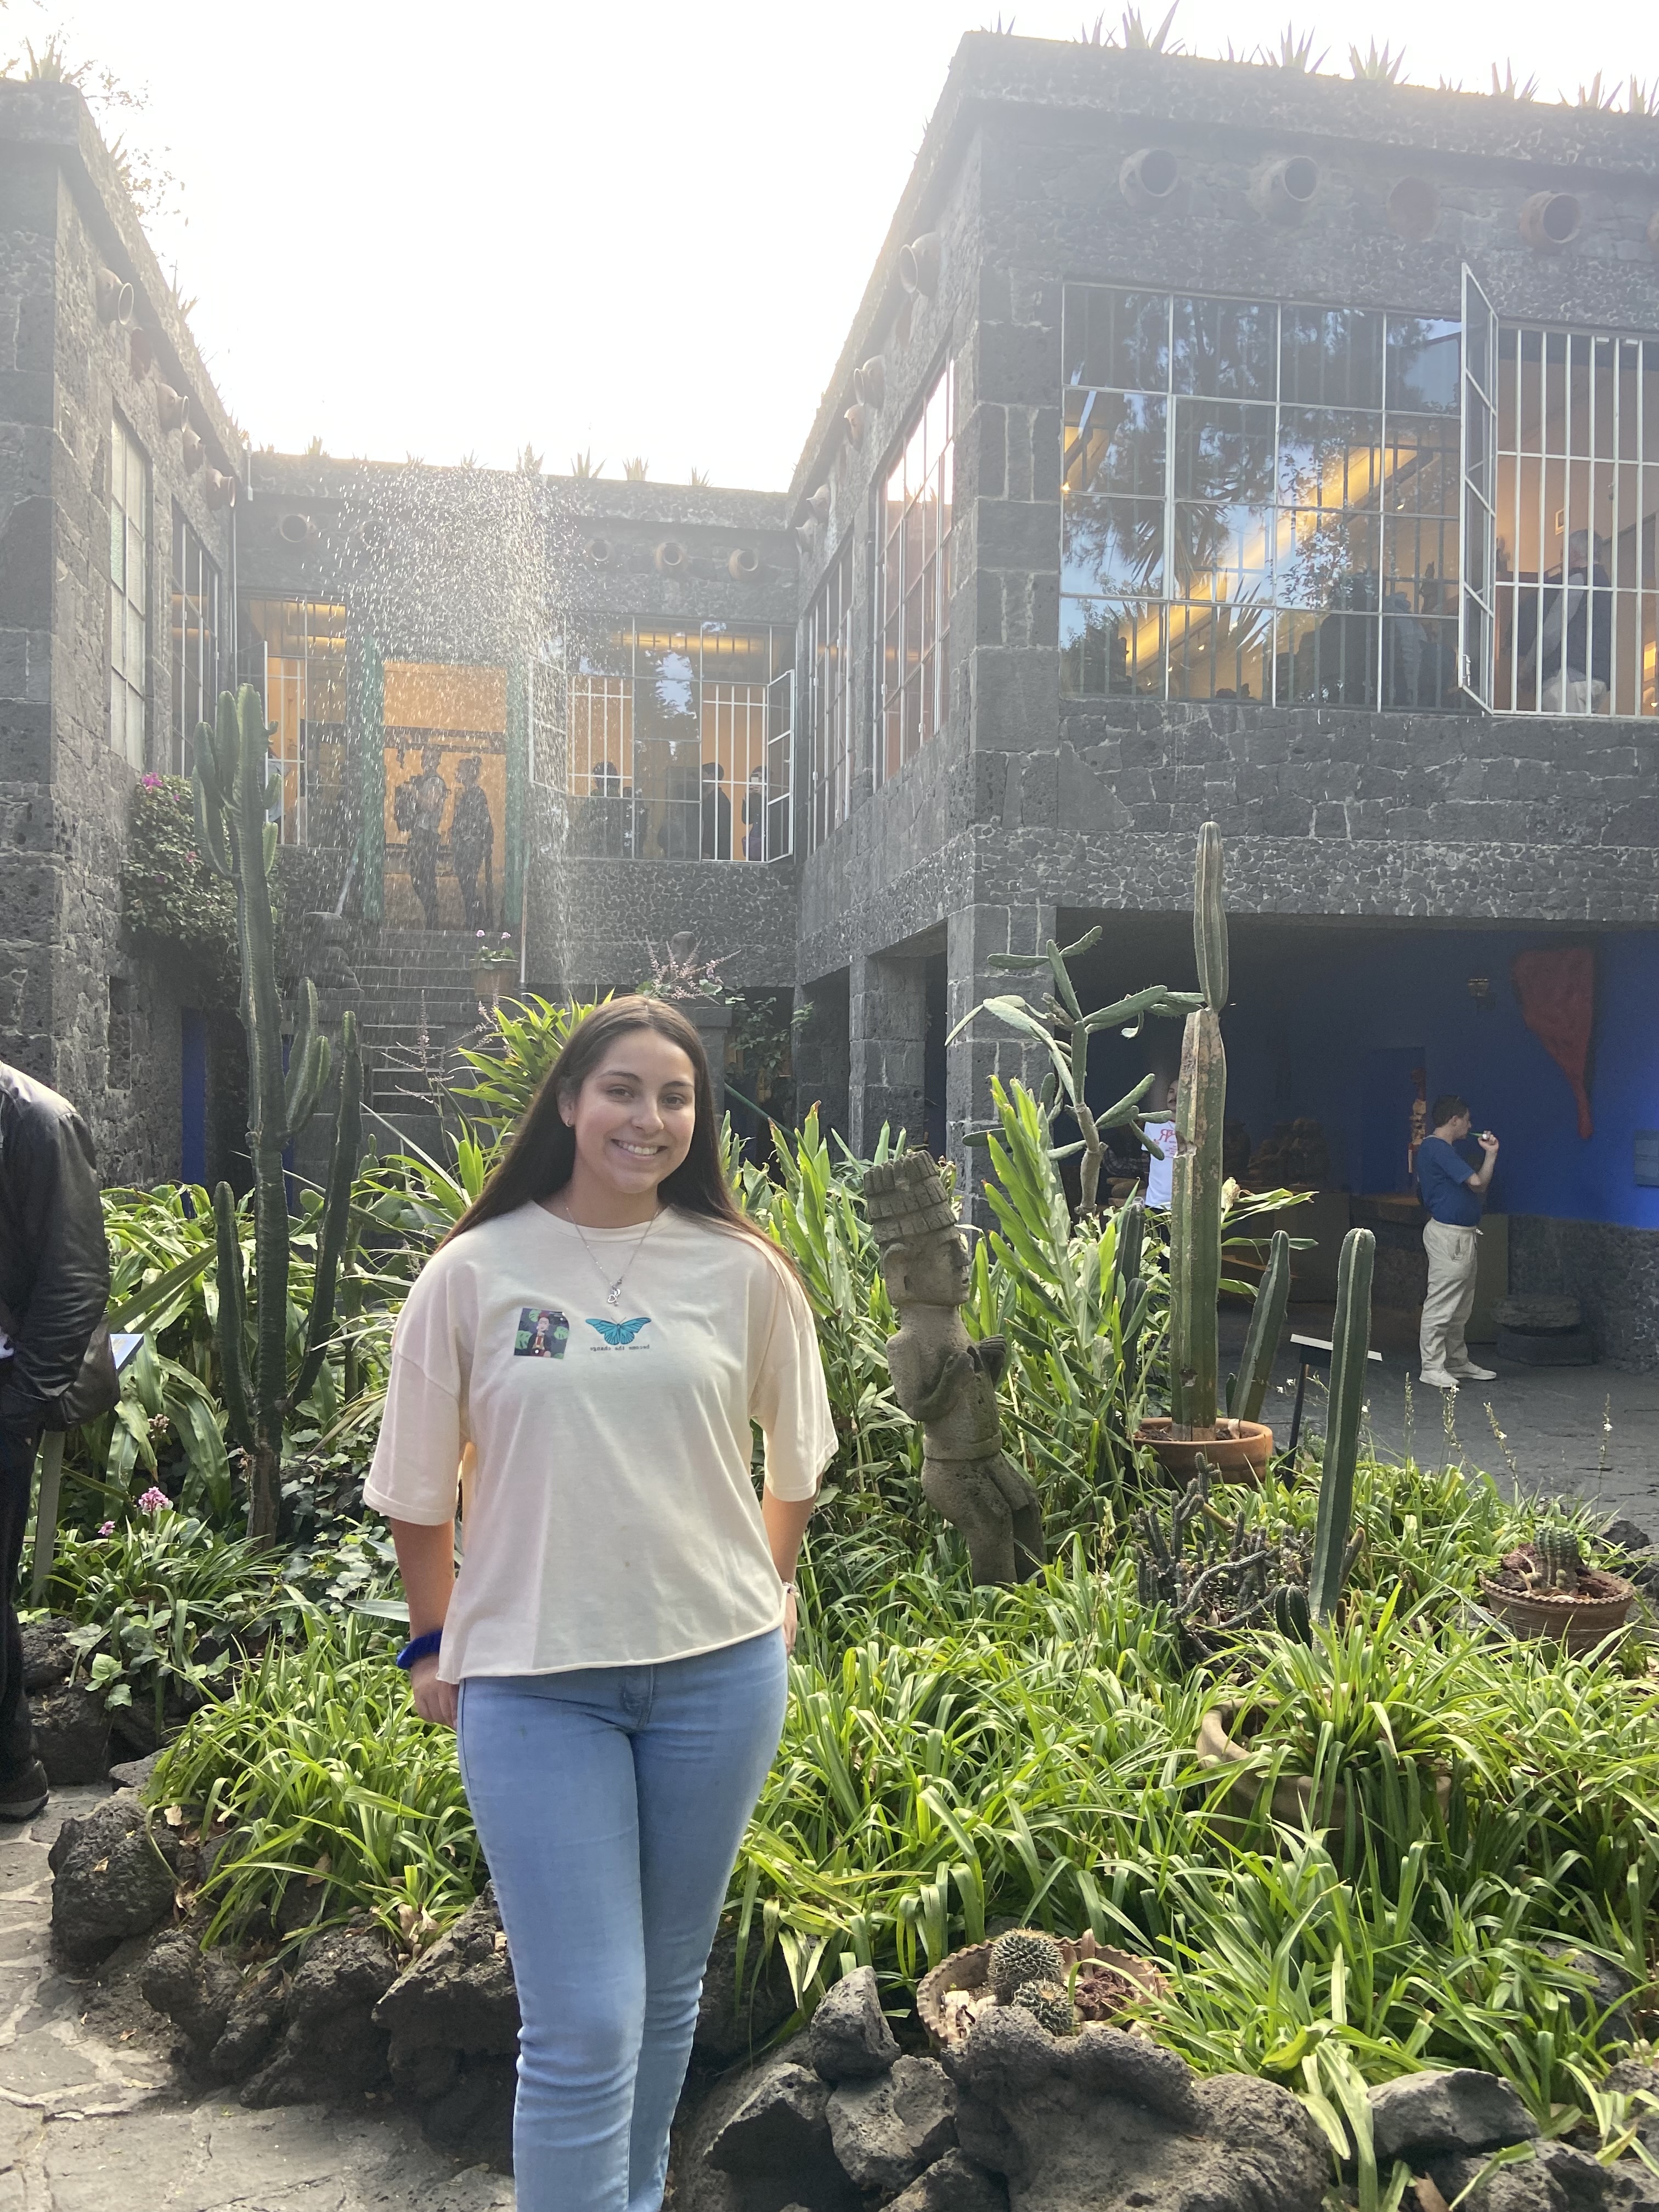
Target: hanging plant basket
{"points": [[1579, 1621], [957, 1992], [1239, 1451]]}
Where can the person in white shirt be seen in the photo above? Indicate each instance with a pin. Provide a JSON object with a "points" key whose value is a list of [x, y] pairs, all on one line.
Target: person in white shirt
{"points": [[1158, 1171], [602, 1327]]}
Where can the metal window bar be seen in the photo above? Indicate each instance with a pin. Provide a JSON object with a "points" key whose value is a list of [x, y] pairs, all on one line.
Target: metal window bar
{"points": [[128, 595], [1574, 534], [913, 597], [830, 673]]}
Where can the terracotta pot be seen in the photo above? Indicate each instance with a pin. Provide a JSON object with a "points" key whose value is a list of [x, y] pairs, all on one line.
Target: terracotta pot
{"points": [[1579, 1623], [1239, 1449], [488, 978], [1293, 1794], [968, 1969]]}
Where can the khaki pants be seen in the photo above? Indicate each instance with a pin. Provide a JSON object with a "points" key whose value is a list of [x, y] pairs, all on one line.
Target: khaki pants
{"points": [[1454, 1255]]}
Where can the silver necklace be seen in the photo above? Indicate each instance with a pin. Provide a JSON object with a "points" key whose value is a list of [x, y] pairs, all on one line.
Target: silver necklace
{"points": [[613, 1290]]}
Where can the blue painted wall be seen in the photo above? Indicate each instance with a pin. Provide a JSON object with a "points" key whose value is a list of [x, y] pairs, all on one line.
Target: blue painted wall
{"points": [[1309, 1005]]}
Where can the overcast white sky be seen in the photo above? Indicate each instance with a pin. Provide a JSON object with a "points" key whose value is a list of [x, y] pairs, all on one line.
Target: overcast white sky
{"points": [[636, 226]]}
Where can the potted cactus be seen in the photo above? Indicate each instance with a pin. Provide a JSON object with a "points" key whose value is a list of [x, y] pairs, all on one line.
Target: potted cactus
{"points": [[1195, 1429], [1546, 1589], [1063, 1984]]}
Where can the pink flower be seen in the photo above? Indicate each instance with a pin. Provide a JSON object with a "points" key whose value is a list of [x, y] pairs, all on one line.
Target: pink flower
{"points": [[107, 1528], [151, 782], [153, 1501]]}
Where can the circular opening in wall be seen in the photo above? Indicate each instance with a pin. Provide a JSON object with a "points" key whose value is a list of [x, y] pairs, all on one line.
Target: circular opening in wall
{"points": [[1550, 221], [744, 565], [1159, 172], [296, 530], [1299, 180], [599, 551], [670, 556], [1413, 208]]}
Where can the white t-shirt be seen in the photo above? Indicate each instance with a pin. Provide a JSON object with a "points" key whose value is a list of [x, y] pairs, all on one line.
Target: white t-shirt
{"points": [[1158, 1172], [613, 1519]]}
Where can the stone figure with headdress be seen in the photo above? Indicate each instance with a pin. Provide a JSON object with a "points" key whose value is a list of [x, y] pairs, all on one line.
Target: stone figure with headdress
{"points": [[944, 1380]]}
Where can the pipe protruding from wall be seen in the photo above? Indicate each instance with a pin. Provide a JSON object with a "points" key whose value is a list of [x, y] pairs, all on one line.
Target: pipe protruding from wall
{"points": [[114, 297], [1148, 179], [870, 383], [806, 537], [221, 490], [171, 407], [1414, 209], [298, 529], [819, 506], [856, 418], [140, 352], [670, 557], [1551, 220], [1653, 231], [1285, 189], [598, 550], [742, 564], [194, 450], [918, 264]]}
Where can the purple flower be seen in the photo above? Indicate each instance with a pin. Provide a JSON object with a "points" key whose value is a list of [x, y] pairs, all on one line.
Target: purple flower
{"points": [[151, 782], [107, 1528], [153, 1501]]}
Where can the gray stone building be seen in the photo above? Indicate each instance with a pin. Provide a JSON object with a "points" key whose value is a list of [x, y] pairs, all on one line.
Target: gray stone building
{"points": [[1211, 442]]}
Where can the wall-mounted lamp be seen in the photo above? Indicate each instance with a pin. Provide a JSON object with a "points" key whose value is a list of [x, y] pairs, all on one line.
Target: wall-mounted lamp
{"points": [[918, 264], [742, 565], [114, 296], [1550, 221], [221, 490], [171, 407], [870, 383], [1285, 189]]}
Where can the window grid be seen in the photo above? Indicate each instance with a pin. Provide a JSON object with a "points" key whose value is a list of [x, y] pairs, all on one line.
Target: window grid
{"points": [[680, 745], [1576, 579], [294, 651], [913, 583], [195, 597], [128, 595], [830, 672], [1260, 501]]}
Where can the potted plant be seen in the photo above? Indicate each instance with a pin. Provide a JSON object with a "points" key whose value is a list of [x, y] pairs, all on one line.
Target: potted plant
{"points": [[1194, 1428], [1064, 1985], [493, 959], [1546, 1589]]}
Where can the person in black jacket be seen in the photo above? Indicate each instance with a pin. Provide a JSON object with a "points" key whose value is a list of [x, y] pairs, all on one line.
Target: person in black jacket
{"points": [[54, 1286]]}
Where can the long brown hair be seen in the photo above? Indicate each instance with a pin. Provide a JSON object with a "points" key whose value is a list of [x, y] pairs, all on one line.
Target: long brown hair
{"points": [[541, 1153]]}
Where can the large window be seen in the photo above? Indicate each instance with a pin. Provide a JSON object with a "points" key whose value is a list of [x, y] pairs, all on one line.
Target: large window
{"points": [[294, 651], [1260, 501], [195, 642], [681, 742], [129, 595], [913, 582], [830, 672], [1575, 586]]}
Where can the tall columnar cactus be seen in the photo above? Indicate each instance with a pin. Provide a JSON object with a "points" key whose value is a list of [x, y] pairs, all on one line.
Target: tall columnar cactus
{"points": [[1195, 1184], [234, 791], [1272, 1296], [1350, 1341]]}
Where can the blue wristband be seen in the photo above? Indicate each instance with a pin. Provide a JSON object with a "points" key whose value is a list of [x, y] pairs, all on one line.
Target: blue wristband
{"points": [[420, 1647]]}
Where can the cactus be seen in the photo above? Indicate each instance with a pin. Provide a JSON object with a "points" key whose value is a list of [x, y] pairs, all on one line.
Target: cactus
{"points": [[234, 796], [1333, 1549], [1215, 1576], [1050, 2004], [1267, 1319], [1021, 1955], [1196, 1189], [1560, 1560]]}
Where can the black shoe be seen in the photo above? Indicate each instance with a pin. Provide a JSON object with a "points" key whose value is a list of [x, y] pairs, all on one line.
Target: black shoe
{"points": [[25, 1793]]}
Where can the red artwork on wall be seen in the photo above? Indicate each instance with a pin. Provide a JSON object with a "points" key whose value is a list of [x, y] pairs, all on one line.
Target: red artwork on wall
{"points": [[1557, 991]]}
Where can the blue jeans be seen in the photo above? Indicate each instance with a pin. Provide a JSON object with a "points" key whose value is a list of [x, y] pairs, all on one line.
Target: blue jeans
{"points": [[610, 1803]]}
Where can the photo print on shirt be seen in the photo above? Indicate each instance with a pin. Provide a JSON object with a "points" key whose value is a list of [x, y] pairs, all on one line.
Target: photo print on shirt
{"points": [[542, 1334]]}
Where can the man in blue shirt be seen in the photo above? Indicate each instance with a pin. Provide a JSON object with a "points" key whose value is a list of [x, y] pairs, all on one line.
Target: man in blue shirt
{"points": [[1452, 1191]]}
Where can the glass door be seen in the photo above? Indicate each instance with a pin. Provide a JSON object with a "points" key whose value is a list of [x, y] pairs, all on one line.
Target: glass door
{"points": [[1475, 625]]}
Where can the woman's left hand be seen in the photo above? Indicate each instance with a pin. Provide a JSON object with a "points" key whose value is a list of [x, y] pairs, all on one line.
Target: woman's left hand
{"points": [[791, 1620]]}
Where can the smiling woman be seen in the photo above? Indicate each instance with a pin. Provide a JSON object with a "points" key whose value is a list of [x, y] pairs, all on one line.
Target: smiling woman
{"points": [[602, 1328]]}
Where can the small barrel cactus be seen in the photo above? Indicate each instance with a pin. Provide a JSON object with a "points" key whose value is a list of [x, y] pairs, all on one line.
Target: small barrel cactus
{"points": [[1023, 1954], [1560, 1562], [1050, 2004]]}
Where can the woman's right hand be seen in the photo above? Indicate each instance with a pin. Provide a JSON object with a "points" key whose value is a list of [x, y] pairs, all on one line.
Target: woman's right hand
{"points": [[434, 1700]]}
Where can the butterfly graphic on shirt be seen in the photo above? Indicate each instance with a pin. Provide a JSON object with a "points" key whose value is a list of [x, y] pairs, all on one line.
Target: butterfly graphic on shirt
{"points": [[619, 1334]]}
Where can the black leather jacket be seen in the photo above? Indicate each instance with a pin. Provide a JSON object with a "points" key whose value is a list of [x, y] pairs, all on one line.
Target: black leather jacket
{"points": [[54, 1262]]}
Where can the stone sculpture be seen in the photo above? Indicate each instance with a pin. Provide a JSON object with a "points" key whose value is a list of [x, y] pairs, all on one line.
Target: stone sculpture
{"points": [[944, 1379]]}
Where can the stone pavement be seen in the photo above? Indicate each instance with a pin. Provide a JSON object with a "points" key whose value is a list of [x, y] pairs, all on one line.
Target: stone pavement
{"points": [[92, 2120]]}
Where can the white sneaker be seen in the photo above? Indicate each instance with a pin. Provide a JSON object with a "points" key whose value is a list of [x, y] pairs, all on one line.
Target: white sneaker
{"points": [[1438, 1379], [1475, 1374]]}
